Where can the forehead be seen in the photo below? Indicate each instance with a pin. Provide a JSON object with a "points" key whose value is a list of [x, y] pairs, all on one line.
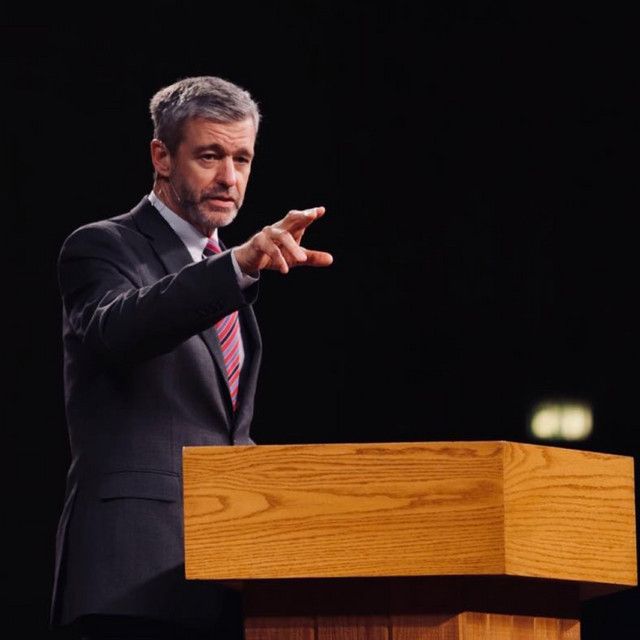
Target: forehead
{"points": [[230, 135]]}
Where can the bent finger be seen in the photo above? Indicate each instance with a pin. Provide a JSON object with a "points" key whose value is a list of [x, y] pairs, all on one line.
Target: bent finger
{"points": [[289, 245], [269, 248]]}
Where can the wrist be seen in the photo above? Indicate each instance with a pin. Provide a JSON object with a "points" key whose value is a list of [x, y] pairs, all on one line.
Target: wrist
{"points": [[242, 265]]}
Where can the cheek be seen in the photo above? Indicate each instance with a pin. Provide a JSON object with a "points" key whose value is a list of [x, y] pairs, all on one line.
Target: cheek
{"points": [[243, 180], [195, 176]]}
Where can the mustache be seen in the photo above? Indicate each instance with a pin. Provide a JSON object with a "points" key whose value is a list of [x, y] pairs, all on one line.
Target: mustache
{"points": [[218, 193]]}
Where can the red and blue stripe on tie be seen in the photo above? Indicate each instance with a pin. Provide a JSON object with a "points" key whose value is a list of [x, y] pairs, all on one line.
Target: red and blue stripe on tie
{"points": [[228, 330]]}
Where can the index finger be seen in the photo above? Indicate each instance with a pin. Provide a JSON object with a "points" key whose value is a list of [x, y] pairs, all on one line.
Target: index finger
{"points": [[316, 212], [297, 220]]}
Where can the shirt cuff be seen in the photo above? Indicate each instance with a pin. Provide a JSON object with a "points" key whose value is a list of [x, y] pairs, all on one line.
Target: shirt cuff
{"points": [[244, 281]]}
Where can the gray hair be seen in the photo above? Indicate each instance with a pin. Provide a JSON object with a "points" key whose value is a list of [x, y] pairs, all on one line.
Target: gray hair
{"points": [[200, 97]]}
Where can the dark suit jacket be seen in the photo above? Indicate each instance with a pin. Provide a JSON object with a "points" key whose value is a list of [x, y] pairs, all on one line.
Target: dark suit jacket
{"points": [[144, 377]]}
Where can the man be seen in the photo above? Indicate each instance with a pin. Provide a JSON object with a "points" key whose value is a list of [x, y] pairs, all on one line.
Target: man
{"points": [[161, 350]]}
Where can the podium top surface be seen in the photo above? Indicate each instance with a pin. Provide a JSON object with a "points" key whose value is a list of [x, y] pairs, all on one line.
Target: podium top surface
{"points": [[409, 509]]}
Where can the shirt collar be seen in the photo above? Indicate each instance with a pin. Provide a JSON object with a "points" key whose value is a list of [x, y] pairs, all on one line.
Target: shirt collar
{"points": [[190, 236]]}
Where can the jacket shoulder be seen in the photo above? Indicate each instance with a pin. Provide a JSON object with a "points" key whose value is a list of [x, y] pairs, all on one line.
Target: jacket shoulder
{"points": [[104, 232]]}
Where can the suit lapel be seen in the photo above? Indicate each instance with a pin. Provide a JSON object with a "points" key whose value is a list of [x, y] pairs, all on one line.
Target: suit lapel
{"points": [[166, 244], [173, 254], [210, 338]]}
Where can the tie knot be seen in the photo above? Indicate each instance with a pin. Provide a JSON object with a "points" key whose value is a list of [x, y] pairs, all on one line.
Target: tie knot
{"points": [[212, 247]]}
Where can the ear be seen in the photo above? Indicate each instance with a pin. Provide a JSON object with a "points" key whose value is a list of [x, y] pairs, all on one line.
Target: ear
{"points": [[161, 158]]}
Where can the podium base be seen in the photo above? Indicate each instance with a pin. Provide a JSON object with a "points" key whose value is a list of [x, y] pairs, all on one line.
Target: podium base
{"points": [[442, 608]]}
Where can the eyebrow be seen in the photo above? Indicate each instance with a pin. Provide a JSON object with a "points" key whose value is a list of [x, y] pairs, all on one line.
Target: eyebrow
{"points": [[243, 151]]}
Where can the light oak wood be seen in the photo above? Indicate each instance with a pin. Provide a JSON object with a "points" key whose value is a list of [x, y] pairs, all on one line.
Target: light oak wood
{"points": [[569, 514], [482, 626], [409, 509], [410, 541], [343, 510]]}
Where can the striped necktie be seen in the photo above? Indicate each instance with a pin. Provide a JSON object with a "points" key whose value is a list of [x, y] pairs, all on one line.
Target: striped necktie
{"points": [[228, 330]]}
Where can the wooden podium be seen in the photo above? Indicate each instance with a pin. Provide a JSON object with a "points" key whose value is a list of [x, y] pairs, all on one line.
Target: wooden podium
{"points": [[408, 541]]}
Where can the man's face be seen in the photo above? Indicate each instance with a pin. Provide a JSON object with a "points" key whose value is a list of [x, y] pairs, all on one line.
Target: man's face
{"points": [[210, 171]]}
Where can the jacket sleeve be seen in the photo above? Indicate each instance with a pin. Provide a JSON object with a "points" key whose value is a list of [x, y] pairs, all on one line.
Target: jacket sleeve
{"points": [[111, 311]]}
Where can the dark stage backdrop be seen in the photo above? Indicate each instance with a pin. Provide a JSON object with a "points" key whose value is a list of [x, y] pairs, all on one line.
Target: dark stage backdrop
{"points": [[479, 174]]}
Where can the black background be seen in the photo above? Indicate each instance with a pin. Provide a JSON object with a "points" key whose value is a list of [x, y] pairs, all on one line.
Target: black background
{"points": [[479, 166]]}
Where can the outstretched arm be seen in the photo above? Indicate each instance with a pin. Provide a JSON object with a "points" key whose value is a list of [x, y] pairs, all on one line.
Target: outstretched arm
{"points": [[113, 311]]}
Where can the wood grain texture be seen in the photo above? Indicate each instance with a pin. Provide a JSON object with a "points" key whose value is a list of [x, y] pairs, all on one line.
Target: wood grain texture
{"points": [[280, 628], [469, 625], [409, 509], [570, 629], [569, 514], [343, 510], [425, 627], [483, 626], [473, 626], [522, 627], [352, 628]]}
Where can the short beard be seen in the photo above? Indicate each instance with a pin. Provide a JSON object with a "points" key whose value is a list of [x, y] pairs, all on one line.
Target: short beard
{"points": [[190, 204]]}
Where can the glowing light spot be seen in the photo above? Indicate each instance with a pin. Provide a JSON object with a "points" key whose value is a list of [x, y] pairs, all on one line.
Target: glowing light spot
{"points": [[561, 420]]}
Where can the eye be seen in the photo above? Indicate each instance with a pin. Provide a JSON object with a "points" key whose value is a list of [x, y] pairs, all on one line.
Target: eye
{"points": [[242, 160]]}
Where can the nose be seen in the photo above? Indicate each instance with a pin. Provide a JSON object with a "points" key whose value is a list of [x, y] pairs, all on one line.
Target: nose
{"points": [[226, 174]]}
